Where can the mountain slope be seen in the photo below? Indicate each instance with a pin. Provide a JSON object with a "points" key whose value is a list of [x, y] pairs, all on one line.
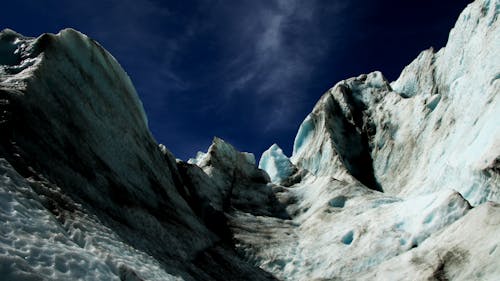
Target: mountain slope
{"points": [[73, 127]]}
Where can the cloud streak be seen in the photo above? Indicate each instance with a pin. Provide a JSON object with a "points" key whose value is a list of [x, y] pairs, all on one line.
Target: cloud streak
{"points": [[284, 46], [271, 49]]}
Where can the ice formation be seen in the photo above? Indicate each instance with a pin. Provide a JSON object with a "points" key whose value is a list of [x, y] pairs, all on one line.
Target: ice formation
{"points": [[276, 164], [387, 181]]}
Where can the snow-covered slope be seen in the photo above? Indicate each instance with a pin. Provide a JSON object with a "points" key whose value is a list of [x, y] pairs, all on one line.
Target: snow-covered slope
{"points": [[387, 181], [467, 250], [37, 245]]}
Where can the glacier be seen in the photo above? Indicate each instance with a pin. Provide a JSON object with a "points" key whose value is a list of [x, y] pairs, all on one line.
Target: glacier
{"points": [[276, 164], [387, 180]]}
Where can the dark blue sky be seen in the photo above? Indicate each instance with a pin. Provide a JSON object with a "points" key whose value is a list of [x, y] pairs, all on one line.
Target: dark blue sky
{"points": [[247, 71]]}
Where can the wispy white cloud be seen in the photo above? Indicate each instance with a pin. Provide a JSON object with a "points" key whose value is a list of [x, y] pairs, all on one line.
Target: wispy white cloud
{"points": [[271, 49], [279, 58]]}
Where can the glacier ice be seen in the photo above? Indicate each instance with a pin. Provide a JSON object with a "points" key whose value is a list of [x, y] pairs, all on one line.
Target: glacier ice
{"points": [[276, 164], [387, 180], [334, 140], [436, 127], [444, 254], [454, 113], [73, 126], [429, 141]]}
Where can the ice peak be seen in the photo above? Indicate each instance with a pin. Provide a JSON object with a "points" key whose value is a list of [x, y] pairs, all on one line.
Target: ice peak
{"points": [[334, 139], [276, 164], [9, 32]]}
